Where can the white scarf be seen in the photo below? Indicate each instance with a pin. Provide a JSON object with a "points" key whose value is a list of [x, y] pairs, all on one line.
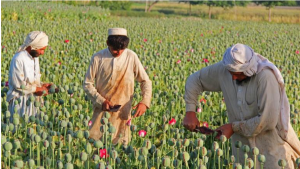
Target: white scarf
{"points": [[35, 39]]}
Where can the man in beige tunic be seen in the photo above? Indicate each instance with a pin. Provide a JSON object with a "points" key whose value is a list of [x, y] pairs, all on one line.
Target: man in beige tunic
{"points": [[115, 69], [257, 105]]}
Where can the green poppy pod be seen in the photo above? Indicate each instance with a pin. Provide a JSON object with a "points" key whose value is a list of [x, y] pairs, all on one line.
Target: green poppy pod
{"points": [[165, 127], [176, 163], [199, 142], [129, 150], [72, 101], [46, 143], [47, 104], [16, 144], [98, 144], [108, 167], [75, 107], [86, 134], [16, 121], [37, 138], [100, 165], [7, 114], [223, 138], [245, 167], [8, 146], [255, 151], [79, 134], [112, 129], [59, 164], [11, 127], [209, 153], [70, 125], [49, 124], [215, 145], [166, 161], [32, 118], [23, 86], [107, 115], [31, 163], [133, 128], [147, 144], [246, 148], [143, 151], [69, 166], [249, 163], [203, 151], [158, 153], [37, 104], [185, 156], [179, 144], [237, 166], [96, 158], [186, 142], [104, 120], [282, 163], [88, 148], [45, 118], [140, 158], [32, 99], [152, 125], [70, 91], [103, 128], [30, 131], [3, 139], [5, 128], [53, 145], [219, 152], [60, 144], [118, 160], [63, 123], [171, 142], [83, 156], [18, 163], [61, 102], [16, 102], [68, 157], [238, 144], [6, 154], [202, 167], [80, 107], [44, 135], [113, 154]]}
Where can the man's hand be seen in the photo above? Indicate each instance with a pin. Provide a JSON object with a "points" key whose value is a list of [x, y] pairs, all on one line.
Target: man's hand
{"points": [[226, 130], [140, 109], [41, 91], [190, 121], [47, 85], [106, 105]]}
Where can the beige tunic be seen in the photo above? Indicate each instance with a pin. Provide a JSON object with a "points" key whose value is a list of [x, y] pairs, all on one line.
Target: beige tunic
{"points": [[114, 80], [253, 108]]}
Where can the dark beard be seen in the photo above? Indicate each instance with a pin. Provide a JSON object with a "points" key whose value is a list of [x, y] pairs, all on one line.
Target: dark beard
{"points": [[241, 82], [34, 53]]}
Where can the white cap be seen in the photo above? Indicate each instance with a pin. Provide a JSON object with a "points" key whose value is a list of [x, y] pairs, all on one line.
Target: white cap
{"points": [[117, 31]]}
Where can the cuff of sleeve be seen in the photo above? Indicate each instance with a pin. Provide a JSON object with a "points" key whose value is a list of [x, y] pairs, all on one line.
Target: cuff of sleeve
{"points": [[99, 100], [33, 88], [145, 102], [190, 107], [236, 127]]}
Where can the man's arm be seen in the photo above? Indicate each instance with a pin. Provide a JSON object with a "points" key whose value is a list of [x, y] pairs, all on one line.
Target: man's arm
{"points": [[268, 98], [206, 79], [145, 83], [88, 84]]}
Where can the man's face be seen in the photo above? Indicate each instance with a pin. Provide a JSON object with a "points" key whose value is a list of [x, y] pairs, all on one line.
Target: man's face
{"points": [[115, 53], [38, 52]]}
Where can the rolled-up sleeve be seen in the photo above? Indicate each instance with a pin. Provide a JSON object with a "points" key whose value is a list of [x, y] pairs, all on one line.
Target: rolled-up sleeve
{"points": [[89, 82], [145, 83], [206, 79], [268, 98]]}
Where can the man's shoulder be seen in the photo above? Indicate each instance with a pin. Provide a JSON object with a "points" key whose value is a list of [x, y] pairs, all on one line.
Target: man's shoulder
{"points": [[20, 56], [265, 73], [131, 52]]}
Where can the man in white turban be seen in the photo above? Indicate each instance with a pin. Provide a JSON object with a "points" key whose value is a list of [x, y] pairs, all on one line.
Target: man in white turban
{"points": [[109, 81], [24, 75], [257, 105]]}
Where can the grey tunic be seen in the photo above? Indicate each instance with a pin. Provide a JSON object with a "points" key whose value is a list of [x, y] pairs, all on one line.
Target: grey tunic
{"points": [[253, 108]]}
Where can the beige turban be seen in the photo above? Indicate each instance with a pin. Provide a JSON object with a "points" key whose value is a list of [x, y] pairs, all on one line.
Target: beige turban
{"points": [[241, 58], [117, 31], [35, 39]]}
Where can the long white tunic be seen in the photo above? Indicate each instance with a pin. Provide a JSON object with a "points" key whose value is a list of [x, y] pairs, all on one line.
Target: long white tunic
{"points": [[112, 78], [24, 70], [253, 108]]}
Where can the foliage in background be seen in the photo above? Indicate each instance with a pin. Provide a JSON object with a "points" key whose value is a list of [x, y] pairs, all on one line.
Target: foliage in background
{"points": [[112, 5]]}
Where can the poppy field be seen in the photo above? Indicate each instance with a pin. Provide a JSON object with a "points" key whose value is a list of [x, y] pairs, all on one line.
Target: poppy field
{"points": [[170, 49]]}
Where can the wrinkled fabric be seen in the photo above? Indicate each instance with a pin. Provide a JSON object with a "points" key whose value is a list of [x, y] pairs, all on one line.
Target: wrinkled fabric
{"points": [[242, 58], [35, 39], [24, 70], [112, 78], [253, 108]]}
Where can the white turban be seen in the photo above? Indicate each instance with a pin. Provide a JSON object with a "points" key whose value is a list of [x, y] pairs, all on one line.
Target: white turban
{"points": [[241, 58], [36, 40]]}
